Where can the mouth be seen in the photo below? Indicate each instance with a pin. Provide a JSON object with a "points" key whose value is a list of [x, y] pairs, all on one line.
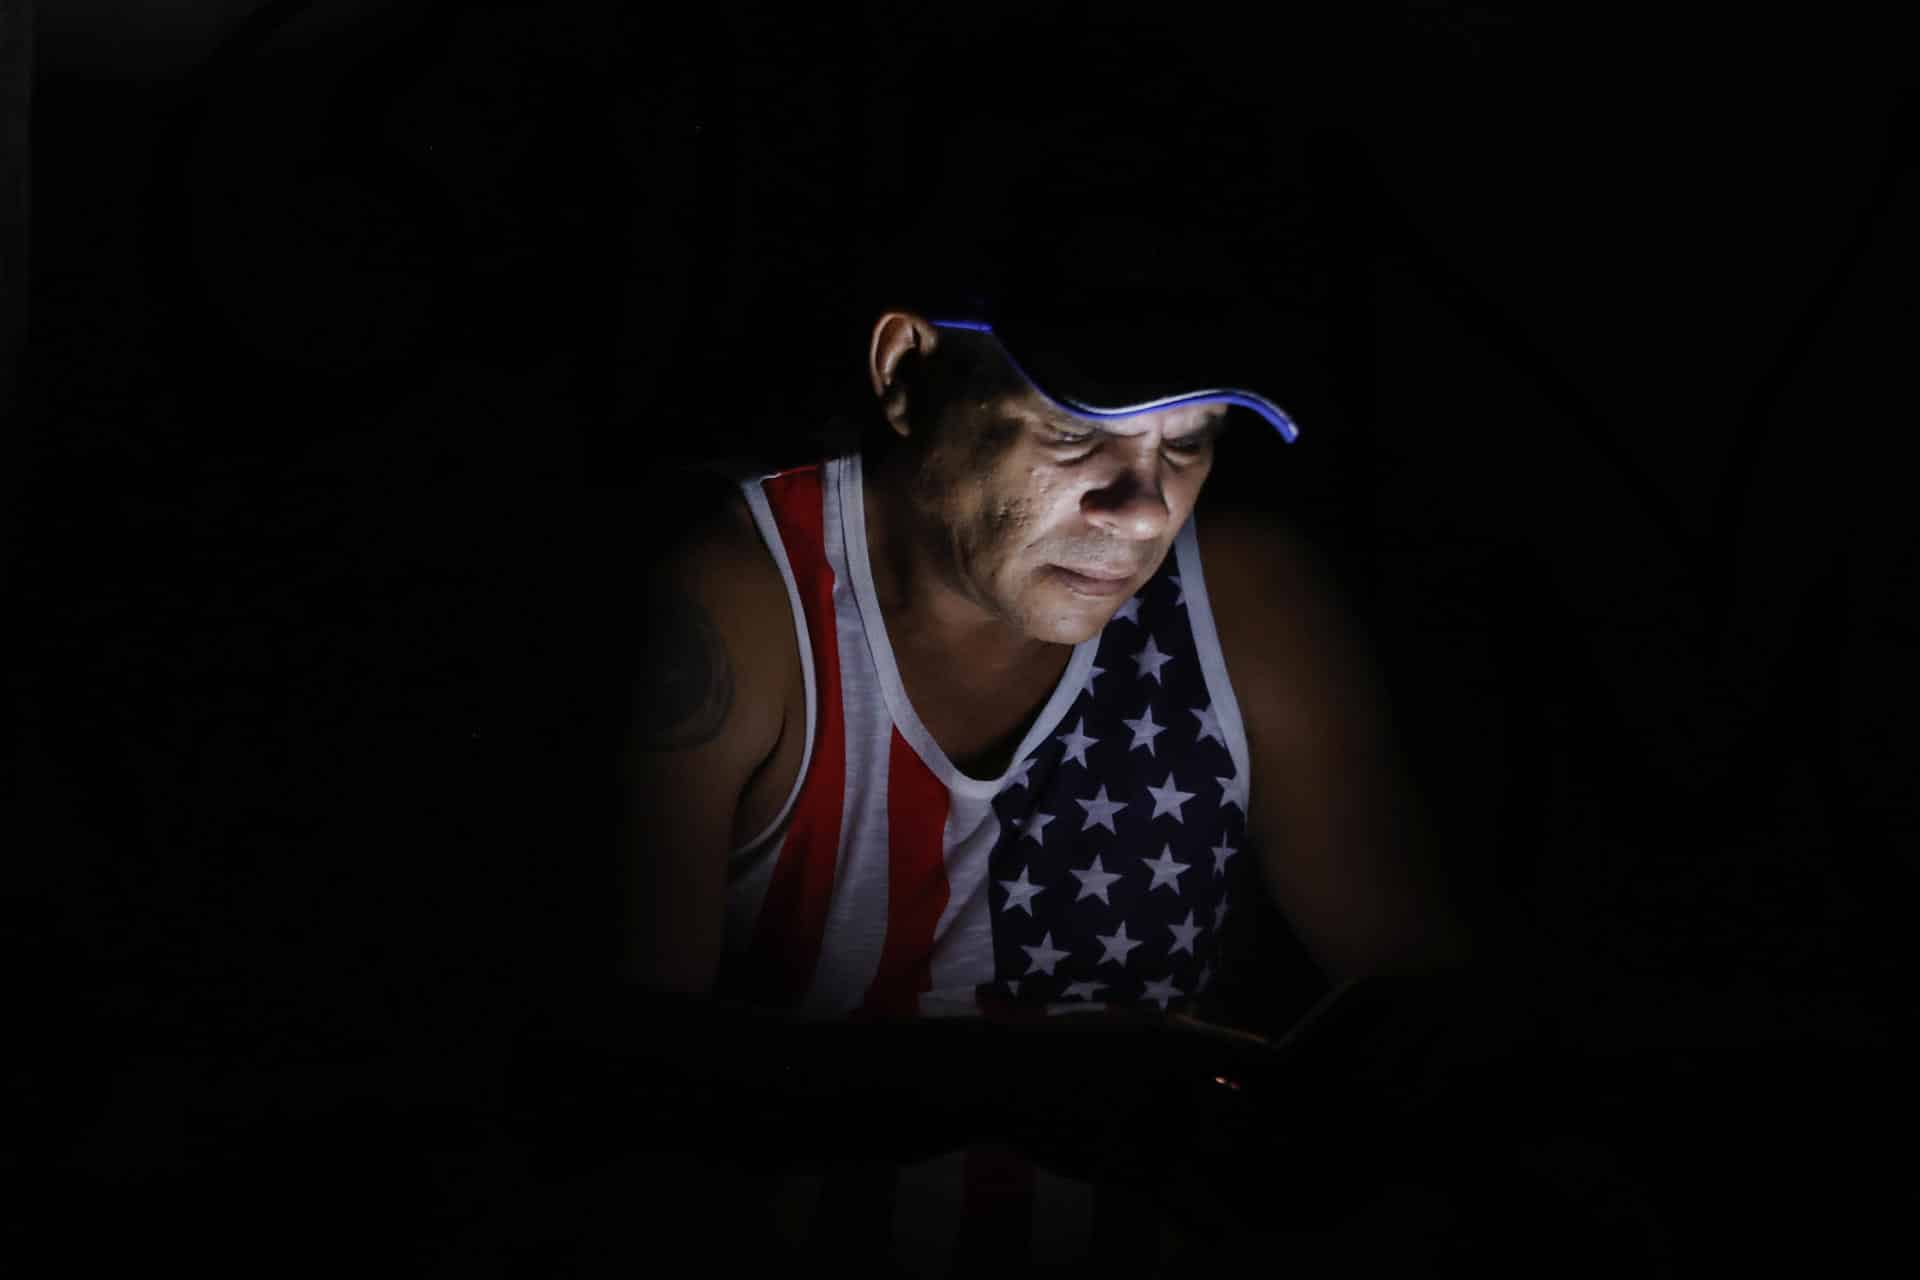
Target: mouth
{"points": [[1092, 584]]}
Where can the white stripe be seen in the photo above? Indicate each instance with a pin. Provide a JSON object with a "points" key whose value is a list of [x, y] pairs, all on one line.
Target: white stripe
{"points": [[856, 926], [928, 1198], [963, 941]]}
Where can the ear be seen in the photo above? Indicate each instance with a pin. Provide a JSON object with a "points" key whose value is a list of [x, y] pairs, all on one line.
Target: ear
{"points": [[899, 338]]}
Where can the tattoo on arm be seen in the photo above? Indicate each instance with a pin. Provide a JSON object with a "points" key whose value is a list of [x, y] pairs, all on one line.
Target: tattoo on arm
{"points": [[684, 688]]}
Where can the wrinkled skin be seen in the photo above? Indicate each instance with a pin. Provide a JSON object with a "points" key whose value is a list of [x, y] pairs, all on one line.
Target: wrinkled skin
{"points": [[990, 485]]}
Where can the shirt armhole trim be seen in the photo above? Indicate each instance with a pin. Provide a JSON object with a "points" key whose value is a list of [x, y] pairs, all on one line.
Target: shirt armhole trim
{"points": [[1213, 662], [770, 534]]}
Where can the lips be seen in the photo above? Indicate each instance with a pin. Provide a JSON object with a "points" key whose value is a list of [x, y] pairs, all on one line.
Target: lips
{"points": [[1098, 575], [1087, 584]]}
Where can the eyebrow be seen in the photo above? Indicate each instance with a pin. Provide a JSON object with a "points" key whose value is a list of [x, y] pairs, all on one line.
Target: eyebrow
{"points": [[1212, 429]]}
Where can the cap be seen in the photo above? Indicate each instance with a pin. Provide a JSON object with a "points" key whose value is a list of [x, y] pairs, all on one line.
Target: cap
{"points": [[1133, 236], [1112, 315], [1123, 271]]}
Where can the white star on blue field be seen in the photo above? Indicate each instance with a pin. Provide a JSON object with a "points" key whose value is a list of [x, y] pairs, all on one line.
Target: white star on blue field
{"points": [[1124, 905]]}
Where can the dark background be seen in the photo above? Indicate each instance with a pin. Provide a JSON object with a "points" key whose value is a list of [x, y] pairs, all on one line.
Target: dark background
{"points": [[358, 337]]}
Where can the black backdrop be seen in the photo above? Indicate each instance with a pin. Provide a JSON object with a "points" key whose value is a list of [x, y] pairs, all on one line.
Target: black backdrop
{"points": [[359, 336]]}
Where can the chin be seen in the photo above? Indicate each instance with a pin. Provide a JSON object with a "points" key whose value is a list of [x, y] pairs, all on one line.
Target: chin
{"points": [[1082, 634], [1053, 616], [1070, 628]]}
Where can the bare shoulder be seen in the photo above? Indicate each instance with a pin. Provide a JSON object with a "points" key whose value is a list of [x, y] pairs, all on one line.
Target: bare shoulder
{"points": [[718, 632], [1341, 831], [1259, 564], [708, 711], [720, 544], [1286, 627]]}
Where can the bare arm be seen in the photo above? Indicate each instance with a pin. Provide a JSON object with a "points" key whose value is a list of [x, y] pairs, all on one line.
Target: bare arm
{"points": [[1427, 1020], [1343, 842], [707, 710]]}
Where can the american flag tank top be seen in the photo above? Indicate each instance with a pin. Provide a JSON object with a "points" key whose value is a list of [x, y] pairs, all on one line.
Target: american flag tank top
{"points": [[1096, 871]]}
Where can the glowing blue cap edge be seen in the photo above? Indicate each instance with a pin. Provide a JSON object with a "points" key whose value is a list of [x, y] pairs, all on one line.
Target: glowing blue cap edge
{"points": [[1273, 413]]}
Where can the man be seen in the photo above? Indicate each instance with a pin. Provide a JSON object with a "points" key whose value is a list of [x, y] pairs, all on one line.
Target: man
{"points": [[888, 687], [984, 562], [993, 721], [994, 717]]}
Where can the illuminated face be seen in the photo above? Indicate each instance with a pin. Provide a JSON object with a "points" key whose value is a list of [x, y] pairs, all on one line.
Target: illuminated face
{"points": [[1049, 521]]}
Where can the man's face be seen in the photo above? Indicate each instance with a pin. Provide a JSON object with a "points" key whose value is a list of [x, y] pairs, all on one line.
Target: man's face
{"points": [[1051, 521]]}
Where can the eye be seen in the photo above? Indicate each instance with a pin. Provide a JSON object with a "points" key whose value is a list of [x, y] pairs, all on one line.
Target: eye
{"points": [[1071, 440], [1185, 447]]}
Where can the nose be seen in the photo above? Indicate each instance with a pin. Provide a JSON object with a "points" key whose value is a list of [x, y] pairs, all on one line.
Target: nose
{"points": [[1130, 503]]}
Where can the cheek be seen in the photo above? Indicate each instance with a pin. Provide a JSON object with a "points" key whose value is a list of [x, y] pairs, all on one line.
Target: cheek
{"points": [[1046, 504], [1014, 526], [1052, 494], [1191, 485], [1007, 531], [1027, 500], [994, 526]]}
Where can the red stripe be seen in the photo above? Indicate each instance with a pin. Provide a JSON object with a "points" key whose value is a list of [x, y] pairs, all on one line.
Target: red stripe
{"points": [[779, 962], [916, 882], [996, 1223]]}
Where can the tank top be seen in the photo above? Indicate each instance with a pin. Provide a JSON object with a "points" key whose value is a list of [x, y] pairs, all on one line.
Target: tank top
{"points": [[1095, 871]]}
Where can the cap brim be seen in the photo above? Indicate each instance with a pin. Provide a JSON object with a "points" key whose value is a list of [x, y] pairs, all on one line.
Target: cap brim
{"points": [[1068, 389]]}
